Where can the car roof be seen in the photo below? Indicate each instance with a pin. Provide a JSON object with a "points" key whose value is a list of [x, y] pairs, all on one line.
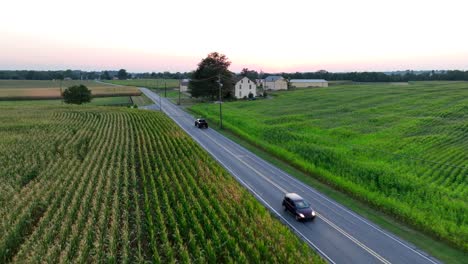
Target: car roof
{"points": [[294, 196]]}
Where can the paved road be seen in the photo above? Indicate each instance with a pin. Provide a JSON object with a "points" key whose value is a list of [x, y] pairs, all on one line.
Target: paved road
{"points": [[338, 234]]}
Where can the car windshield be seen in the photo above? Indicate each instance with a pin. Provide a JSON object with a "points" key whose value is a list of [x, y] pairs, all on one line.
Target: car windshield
{"points": [[301, 204], [201, 121]]}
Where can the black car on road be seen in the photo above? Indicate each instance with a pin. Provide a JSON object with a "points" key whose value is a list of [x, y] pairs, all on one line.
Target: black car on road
{"points": [[301, 209], [201, 123]]}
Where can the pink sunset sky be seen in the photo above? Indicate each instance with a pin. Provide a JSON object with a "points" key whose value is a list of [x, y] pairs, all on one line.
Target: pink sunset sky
{"points": [[273, 36]]}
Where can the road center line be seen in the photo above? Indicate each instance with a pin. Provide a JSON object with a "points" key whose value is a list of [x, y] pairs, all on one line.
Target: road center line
{"points": [[354, 240]]}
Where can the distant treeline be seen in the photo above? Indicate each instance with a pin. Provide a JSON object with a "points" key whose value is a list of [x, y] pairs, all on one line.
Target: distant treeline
{"points": [[371, 76], [383, 77], [84, 75], [401, 76]]}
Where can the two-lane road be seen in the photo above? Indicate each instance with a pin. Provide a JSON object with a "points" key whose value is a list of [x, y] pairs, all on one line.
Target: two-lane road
{"points": [[338, 234]]}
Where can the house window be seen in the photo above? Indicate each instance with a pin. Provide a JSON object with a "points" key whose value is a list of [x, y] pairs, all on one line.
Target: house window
{"points": [[240, 94], [250, 86]]}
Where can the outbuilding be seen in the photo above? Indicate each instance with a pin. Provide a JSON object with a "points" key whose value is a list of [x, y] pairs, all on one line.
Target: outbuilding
{"points": [[275, 83], [306, 83], [184, 83]]}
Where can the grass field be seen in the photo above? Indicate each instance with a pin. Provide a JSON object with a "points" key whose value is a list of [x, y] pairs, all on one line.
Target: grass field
{"points": [[10, 89], [148, 83], [400, 148], [93, 184]]}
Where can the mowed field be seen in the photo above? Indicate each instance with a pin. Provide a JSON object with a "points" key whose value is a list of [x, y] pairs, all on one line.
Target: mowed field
{"points": [[402, 149], [24, 89], [102, 184], [148, 83]]}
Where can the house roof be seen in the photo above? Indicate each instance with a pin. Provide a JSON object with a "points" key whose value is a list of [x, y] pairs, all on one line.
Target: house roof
{"points": [[238, 78], [308, 80], [273, 78]]}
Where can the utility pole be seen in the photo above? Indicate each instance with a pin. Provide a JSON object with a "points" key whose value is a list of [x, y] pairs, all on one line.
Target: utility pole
{"points": [[178, 103], [220, 103], [160, 102], [61, 93], [165, 89]]}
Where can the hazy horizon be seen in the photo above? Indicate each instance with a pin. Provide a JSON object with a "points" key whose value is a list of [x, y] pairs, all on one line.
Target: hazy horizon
{"points": [[307, 36]]}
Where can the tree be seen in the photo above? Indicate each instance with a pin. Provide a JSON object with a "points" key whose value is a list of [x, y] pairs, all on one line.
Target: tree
{"points": [[204, 82], [105, 75], [252, 75], [77, 94], [122, 74]]}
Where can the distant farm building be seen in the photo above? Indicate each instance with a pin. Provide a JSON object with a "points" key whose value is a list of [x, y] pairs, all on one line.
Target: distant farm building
{"points": [[184, 83], [243, 87], [304, 83], [275, 83]]}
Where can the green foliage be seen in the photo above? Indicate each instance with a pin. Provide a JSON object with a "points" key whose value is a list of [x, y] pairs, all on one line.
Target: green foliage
{"points": [[77, 94], [106, 76], [205, 79], [400, 148], [92, 185], [252, 75], [122, 74]]}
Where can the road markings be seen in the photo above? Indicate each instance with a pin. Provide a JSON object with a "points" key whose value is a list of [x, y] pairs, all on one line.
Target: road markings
{"points": [[357, 242], [337, 228], [378, 229], [249, 166], [354, 240]]}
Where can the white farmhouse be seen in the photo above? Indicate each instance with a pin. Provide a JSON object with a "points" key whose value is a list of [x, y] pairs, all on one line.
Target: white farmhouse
{"points": [[275, 83], [243, 87], [304, 83]]}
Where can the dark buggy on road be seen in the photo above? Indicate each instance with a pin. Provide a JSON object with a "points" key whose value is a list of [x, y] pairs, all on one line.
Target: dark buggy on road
{"points": [[201, 123]]}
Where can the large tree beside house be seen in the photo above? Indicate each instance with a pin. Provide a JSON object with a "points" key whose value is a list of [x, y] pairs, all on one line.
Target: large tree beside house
{"points": [[204, 82]]}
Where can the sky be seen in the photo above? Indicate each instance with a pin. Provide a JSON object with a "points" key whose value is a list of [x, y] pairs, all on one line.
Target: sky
{"points": [[269, 36]]}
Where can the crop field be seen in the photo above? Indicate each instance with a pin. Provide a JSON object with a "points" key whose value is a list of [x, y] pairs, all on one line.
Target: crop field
{"points": [[94, 184], [23, 89], [99, 101], [148, 83], [401, 148]]}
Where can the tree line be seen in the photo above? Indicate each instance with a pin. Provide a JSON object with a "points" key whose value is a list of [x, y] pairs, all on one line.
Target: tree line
{"points": [[87, 75], [401, 76]]}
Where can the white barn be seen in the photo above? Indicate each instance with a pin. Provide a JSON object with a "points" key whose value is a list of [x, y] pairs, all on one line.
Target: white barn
{"points": [[305, 83], [243, 87]]}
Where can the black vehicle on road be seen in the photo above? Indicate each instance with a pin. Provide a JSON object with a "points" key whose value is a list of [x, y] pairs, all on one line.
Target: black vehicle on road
{"points": [[301, 209], [201, 123]]}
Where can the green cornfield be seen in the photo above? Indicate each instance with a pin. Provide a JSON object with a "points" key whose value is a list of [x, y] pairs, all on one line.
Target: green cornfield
{"points": [[94, 184], [401, 148]]}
